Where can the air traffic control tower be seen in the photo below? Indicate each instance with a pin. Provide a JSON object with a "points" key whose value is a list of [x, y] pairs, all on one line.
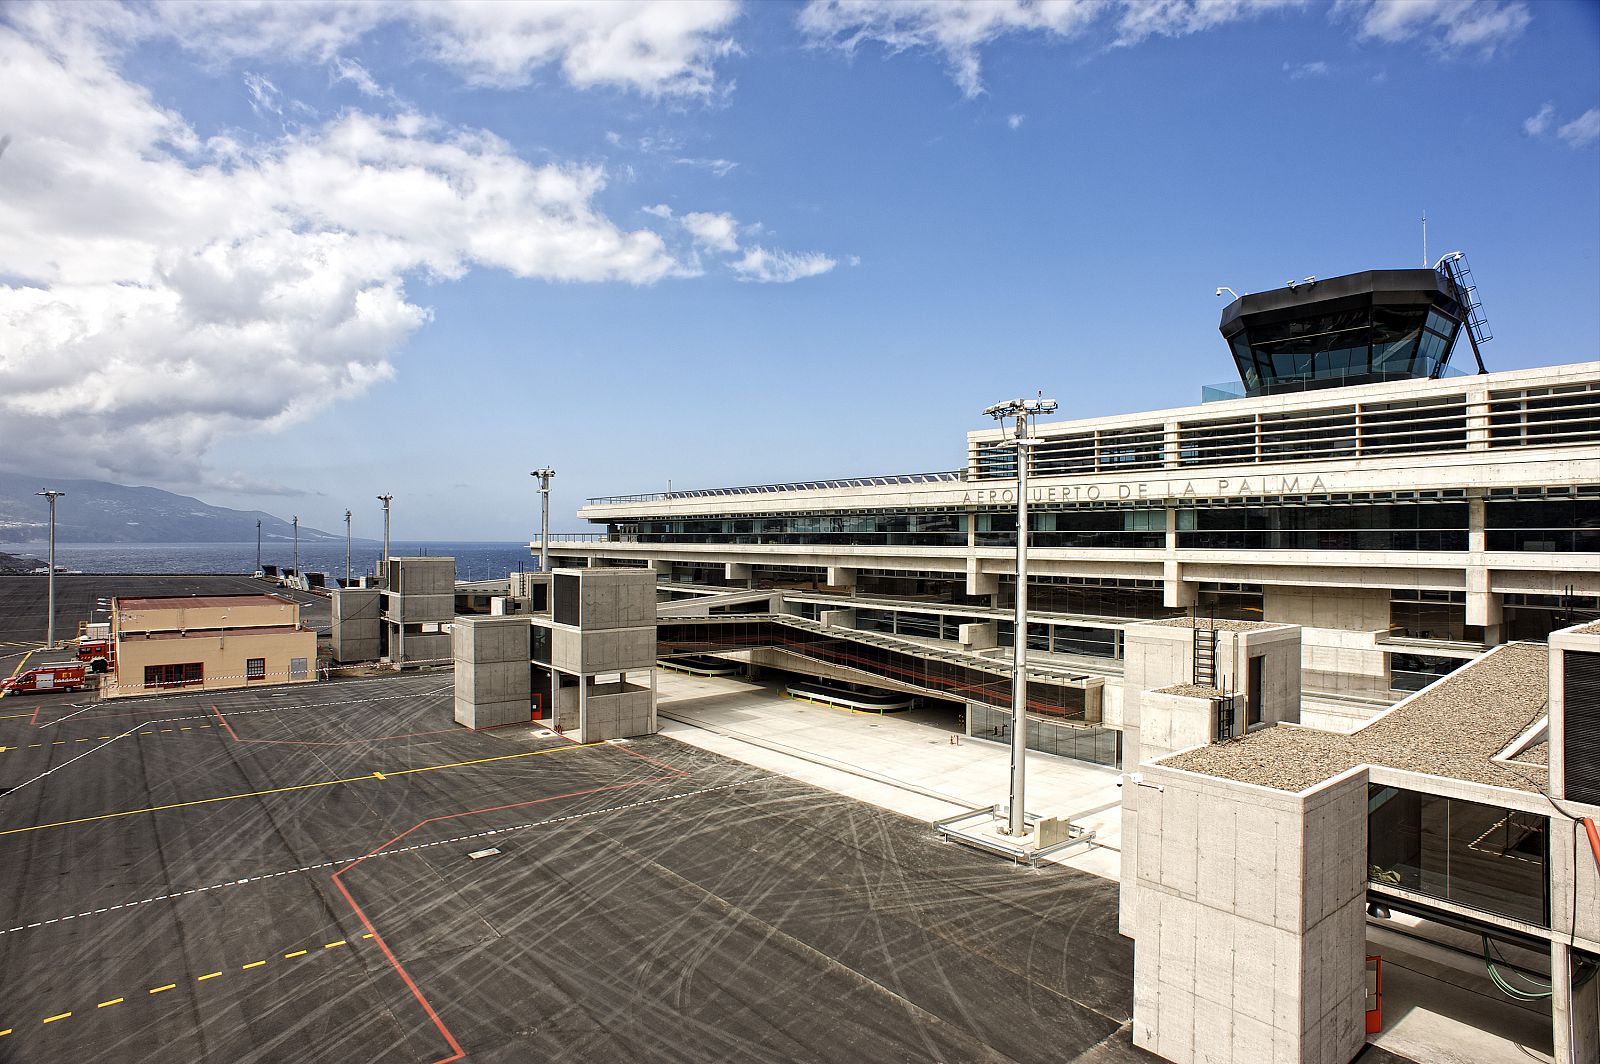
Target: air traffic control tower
{"points": [[1362, 328]]}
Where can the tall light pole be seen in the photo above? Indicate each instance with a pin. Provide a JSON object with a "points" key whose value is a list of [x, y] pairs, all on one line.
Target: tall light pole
{"points": [[386, 500], [544, 476], [258, 546], [1020, 410], [297, 546], [347, 548], [50, 624]]}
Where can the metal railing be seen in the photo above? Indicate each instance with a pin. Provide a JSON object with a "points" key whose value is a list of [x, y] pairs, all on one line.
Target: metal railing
{"points": [[946, 476]]}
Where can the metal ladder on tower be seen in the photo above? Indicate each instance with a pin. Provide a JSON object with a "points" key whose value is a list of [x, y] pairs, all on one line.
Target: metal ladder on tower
{"points": [[1454, 266], [1205, 650]]}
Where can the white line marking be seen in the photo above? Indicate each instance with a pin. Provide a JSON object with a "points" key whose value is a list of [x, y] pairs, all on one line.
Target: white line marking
{"points": [[404, 849]]}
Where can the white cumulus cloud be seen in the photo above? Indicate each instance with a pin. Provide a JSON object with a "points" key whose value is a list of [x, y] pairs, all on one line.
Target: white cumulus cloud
{"points": [[158, 291], [1580, 132], [654, 47], [719, 232], [1448, 26], [957, 30], [771, 266], [1301, 71], [1583, 130], [1538, 123]]}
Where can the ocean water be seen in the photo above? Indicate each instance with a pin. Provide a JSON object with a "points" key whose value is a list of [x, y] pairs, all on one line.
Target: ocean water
{"points": [[474, 561]]}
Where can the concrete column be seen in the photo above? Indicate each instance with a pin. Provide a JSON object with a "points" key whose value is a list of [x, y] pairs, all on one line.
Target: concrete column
{"points": [[1477, 540], [1477, 418], [1169, 445], [738, 573], [838, 618], [842, 576], [982, 583], [978, 636], [1574, 1014], [583, 707], [1249, 922], [1176, 593]]}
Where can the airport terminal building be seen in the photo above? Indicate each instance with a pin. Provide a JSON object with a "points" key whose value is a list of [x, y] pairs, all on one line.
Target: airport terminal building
{"points": [[1405, 518], [1339, 624]]}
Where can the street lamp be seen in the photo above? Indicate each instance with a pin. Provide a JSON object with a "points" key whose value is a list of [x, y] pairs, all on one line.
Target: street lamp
{"points": [[50, 624], [544, 476], [386, 500], [297, 547], [1020, 411], [347, 548], [258, 546]]}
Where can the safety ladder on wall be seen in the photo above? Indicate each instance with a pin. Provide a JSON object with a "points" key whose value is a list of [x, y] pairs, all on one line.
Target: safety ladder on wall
{"points": [[1454, 267], [1205, 649]]}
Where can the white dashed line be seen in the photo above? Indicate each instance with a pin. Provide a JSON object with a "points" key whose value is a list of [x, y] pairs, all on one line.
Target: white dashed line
{"points": [[390, 853]]}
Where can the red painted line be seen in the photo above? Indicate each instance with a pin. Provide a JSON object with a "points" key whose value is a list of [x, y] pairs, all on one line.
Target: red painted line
{"points": [[224, 720], [34, 720], [457, 1053]]}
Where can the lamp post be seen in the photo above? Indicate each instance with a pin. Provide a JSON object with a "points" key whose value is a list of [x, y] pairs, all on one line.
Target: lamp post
{"points": [[386, 500], [544, 476], [258, 546], [347, 548], [1020, 410], [50, 624], [297, 546]]}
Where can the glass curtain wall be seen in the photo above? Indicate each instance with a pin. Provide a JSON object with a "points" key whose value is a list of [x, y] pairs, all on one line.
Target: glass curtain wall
{"points": [[1481, 856]]}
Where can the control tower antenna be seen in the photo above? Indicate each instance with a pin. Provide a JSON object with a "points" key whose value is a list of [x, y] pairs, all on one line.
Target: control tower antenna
{"points": [[1424, 238]]}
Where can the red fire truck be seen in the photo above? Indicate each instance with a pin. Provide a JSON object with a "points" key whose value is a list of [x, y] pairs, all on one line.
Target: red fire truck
{"points": [[62, 676]]}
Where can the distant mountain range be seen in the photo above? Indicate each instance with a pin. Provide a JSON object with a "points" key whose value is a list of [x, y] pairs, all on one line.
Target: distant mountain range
{"points": [[96, 512]]}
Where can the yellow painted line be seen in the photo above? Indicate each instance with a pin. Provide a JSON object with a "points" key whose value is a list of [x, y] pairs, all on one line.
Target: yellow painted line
{"points": [[208, 975], [105, 736], [285, 790], [57, 1016], [252, 964], [169, 986], [18, 669], [380, 776], [7, 1030], [334, 945], [113, 1001], [366, 936], [296, 953]]}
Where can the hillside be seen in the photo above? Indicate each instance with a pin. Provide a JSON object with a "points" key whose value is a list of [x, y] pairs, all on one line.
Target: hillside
{"points": [[94, 511]]}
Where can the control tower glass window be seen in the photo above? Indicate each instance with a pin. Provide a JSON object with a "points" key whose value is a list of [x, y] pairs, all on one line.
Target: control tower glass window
{"points": [[1374, 326]]}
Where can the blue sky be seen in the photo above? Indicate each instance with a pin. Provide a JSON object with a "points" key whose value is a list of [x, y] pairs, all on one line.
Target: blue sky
{"points": [[281, 256]]}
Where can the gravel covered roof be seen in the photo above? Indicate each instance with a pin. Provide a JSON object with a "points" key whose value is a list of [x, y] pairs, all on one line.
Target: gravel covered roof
{"points": [[1220, 624], [1592, 628], [1453, 729], [1197, 690]]}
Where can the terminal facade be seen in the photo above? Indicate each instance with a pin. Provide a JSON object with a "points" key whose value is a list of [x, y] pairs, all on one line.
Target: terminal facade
{"points": [[1404, 519]]}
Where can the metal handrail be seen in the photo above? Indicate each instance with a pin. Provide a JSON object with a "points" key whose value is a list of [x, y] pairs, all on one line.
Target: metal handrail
{"points": [[944, 476]]}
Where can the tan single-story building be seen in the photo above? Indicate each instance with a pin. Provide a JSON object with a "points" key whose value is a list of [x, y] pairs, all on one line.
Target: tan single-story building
{"points": [[210, 642]]}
